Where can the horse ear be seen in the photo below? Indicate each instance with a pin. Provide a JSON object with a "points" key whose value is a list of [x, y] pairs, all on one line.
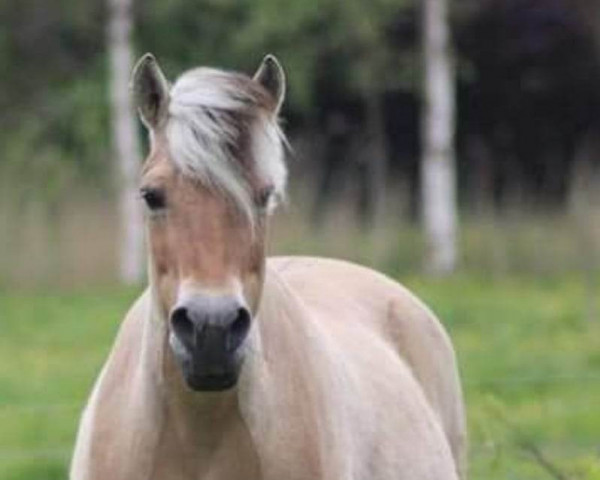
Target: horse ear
{"points": [[150, 91], [271, 76]]}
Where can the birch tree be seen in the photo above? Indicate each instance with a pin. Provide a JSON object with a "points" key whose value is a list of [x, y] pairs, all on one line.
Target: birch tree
{"points": [[438, 175], [126, 146]]}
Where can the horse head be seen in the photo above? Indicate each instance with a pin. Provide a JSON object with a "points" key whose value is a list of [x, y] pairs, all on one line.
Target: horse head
{"points": [[214, 174]]}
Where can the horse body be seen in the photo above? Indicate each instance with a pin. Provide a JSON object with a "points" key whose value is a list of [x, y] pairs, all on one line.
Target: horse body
{"points": [[230, 366], [334, 387]]}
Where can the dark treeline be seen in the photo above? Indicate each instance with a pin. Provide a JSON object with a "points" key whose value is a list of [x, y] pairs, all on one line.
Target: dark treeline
{"points": [[532, 101], [528, 96]]}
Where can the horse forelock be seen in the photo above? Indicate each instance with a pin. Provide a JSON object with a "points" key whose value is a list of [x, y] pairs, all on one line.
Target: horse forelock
{"points": [[222, 131]]}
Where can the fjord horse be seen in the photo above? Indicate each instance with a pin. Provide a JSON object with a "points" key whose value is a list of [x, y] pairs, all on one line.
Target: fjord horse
{"points": [[234, 366]]}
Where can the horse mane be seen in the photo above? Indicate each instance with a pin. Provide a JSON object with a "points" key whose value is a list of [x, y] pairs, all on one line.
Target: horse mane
{"points": [[222, 131]]}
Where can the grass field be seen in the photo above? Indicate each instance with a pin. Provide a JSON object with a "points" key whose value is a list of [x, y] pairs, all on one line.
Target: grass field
{"points": [[529, 354]]}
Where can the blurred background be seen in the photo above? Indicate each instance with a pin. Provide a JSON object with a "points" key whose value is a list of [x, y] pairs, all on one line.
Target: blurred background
{"points": [[453, 145]]}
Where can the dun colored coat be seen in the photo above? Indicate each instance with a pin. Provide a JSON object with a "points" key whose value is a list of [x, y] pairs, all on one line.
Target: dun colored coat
{"points": [[231, 366]]}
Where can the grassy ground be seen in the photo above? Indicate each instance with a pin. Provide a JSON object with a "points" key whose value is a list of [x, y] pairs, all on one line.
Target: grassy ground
{"points": [[530, 360]]}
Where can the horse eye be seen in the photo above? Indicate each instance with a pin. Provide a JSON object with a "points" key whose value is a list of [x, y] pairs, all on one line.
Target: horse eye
{"points": [[263, 197], [154, 198]]}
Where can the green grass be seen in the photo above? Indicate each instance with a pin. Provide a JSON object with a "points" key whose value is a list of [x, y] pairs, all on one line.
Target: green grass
{"points": [[51, 349], [530, 360]]}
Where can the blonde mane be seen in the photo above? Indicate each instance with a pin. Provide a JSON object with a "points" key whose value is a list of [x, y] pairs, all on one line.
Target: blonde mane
{"points": [[220, 125]]}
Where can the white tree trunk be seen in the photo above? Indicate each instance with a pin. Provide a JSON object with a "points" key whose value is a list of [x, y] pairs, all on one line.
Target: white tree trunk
{"points": [[438, 177], [125, 142]]}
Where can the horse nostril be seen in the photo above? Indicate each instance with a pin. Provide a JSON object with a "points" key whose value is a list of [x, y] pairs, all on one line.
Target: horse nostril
{"points": [[183, 328], [238, 329]]}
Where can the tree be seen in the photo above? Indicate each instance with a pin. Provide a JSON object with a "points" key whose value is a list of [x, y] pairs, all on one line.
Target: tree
{"points": [[439, 204], [125, 141]]}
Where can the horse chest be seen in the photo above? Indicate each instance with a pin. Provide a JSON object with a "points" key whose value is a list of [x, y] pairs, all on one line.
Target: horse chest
{"points": [[230, 457]]}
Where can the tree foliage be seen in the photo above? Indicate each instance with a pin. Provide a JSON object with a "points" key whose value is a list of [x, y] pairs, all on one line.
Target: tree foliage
{"points": [[54, 101], [52, 52]]}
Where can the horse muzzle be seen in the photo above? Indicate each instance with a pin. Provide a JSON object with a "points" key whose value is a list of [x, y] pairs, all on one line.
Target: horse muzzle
{"points": [[207, 335]]}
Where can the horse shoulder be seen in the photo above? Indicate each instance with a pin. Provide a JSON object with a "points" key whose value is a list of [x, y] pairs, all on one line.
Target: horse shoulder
{"points": [[423, 342], [97, 423]]}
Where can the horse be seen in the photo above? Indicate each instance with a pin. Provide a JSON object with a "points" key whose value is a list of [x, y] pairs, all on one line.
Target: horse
{"points": [[232, 365]]}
